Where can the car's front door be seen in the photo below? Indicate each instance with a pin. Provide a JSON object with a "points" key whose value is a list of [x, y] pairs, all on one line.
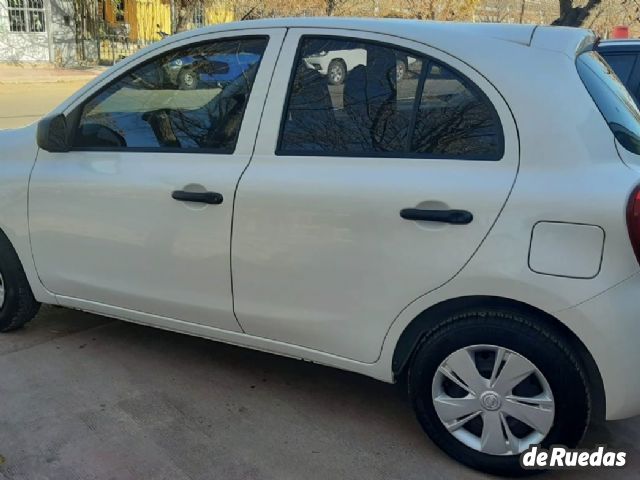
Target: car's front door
{"points": [[138, 215], [347, 211]]}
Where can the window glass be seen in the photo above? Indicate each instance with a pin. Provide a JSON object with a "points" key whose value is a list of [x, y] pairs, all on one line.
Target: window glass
{"points": [[612, 99], [188, 99], [351, 97], [455, 120], [622, 65]]}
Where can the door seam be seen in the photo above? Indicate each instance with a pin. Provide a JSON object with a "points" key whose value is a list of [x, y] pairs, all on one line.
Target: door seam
{"points": [[235, 191]]}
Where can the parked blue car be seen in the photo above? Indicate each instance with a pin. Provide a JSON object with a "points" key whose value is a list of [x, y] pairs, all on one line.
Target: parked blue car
{"points": [[187, 72]]}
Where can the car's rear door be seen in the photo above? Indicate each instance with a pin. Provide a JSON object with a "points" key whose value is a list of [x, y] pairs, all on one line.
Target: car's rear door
{"points": [[138, 215], [321, 254]]}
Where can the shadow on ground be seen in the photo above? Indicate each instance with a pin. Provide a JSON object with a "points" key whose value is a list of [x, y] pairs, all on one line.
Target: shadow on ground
{"points": [[90, 397]]}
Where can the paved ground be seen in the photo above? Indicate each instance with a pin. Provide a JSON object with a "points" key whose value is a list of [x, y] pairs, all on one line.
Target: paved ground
{"points": [[85, 397], [44, 73]]}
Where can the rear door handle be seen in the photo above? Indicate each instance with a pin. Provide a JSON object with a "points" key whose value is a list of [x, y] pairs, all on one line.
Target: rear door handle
{"points": [[212, 198], [456, 217]]}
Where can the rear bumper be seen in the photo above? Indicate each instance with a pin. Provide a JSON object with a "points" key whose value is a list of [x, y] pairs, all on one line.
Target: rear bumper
{"points": [[609, 326]]}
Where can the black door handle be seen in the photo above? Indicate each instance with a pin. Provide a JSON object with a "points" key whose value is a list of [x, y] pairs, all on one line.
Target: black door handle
{"points": [[456, 217], [211, 198]]}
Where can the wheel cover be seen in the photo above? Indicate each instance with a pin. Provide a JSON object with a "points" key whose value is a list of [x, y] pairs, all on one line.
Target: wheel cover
{"points": [[493, 399], [336, 73], [188, 79], [1, 290]]}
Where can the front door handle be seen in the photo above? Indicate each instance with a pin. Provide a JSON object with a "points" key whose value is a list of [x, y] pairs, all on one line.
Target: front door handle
{"points": [[456, 217], [212, 198]]}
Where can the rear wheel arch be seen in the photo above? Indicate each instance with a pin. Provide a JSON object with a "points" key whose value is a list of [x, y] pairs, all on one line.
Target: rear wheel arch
{"points": [[430, 319]]}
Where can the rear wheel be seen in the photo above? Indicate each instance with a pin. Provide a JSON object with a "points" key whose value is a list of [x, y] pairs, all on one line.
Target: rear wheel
{"points": [[17, 304], [486, 385], [187, 79], [336, 72]]}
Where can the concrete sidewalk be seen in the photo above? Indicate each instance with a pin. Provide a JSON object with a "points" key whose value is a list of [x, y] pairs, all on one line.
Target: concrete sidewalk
{"points": [[45, 73]]}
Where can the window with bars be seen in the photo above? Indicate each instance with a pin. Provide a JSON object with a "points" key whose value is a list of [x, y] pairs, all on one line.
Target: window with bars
{"points": [[26, 16]]}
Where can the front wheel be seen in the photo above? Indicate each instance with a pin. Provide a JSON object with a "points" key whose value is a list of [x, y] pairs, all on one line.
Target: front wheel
{"points": [[486, 385], [17, 304]]}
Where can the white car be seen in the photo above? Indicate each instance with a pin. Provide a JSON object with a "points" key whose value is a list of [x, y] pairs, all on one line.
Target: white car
{"points": [[337, 63], [475, 238]]}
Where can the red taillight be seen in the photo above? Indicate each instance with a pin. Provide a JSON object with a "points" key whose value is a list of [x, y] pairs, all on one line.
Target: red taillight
{"points": [[633, 220]]}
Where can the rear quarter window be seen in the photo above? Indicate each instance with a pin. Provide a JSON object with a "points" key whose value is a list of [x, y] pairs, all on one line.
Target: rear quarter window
{"points": [[612, 99]]}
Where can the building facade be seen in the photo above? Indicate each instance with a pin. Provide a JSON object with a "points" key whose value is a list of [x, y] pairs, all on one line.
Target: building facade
{"points": [[37, 31], [102, 31]]}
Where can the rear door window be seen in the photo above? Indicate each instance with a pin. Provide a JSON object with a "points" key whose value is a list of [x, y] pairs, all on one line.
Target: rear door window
{"points": [[351, 97]]}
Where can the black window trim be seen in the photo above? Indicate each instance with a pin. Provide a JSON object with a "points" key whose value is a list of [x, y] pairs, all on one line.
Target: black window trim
{"points": [[76, 114], [428, 61]]}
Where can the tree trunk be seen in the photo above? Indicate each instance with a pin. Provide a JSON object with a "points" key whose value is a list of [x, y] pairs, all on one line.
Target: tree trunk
{"points": [[331, 7], [184, 13], [571, 16]]}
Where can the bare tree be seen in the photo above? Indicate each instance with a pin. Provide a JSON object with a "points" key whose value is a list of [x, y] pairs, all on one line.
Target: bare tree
{"points": [[611, 13], [573, 15], [434, 9]]}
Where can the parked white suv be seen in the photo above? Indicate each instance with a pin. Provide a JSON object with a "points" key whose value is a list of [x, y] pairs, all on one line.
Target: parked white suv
{"points": [[472, 231], [336, 64]]}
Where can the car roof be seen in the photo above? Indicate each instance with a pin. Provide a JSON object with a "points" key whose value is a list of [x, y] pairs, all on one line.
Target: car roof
{"points": [[442, 34], [509, 32]]}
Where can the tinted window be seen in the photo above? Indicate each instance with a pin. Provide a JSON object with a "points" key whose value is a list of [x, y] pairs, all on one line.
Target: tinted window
{"points": [[612, 98], [622, 65], [350, 97], [454, 119], [192, 98]]}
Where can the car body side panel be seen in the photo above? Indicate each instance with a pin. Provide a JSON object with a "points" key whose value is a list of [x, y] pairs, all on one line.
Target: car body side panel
{"points": [[18, 155]]}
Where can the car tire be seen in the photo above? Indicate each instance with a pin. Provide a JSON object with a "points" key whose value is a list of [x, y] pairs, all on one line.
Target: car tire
{"points": [[401, 70], [480, 431], [17, 304], [188, 79], [336, 72]]}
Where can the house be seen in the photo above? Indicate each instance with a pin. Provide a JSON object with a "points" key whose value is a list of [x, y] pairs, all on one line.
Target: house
{"points": [[69, 32], [37, 31]]}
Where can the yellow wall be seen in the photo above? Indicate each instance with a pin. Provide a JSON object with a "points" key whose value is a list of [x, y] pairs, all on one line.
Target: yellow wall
{"points": [[218, 15], [149, 14], [144, 15]]}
